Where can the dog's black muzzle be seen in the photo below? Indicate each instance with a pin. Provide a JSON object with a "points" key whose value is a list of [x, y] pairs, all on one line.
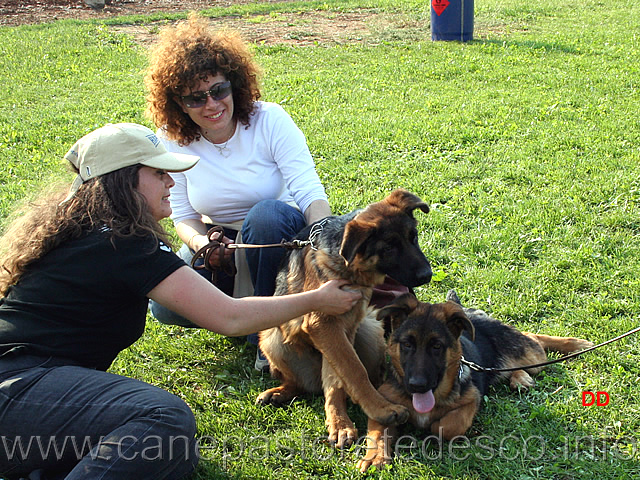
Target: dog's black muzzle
{"points": [[409, 277]]}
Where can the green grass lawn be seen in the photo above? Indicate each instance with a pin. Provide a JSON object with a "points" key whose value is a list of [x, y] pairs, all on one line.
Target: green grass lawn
{"points": [[526, 143]]}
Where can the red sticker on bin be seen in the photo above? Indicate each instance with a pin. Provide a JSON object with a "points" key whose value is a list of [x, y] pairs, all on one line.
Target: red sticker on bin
{"points": [[439, 6]]}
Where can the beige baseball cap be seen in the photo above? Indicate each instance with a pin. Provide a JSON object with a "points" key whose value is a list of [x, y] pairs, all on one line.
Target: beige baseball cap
{"points": [[119, 145]]}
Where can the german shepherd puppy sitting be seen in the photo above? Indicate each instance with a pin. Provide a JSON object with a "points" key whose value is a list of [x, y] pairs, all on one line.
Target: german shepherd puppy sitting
{"points": [[342, 355], [426, 345]]}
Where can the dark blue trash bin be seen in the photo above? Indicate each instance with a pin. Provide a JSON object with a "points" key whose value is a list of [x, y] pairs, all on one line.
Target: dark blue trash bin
{"points": [[452, 20]]}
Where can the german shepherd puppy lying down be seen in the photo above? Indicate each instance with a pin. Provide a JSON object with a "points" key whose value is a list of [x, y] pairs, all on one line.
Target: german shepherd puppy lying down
{"points": [[342, 355], [426, 345]]}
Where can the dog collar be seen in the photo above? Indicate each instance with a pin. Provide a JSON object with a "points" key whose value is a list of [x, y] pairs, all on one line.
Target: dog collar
{"points": [[464, 370], [315, 231]]}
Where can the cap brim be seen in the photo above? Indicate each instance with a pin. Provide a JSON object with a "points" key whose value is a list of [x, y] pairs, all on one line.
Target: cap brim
{"points": [[77, 182], [172, 162]]}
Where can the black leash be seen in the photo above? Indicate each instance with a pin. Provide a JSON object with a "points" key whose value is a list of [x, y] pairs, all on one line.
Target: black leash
{"points": [[477, 368]]}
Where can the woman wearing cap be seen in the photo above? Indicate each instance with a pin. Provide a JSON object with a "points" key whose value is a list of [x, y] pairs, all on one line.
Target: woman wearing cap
{"points": [[256, 176], [76, 279]]}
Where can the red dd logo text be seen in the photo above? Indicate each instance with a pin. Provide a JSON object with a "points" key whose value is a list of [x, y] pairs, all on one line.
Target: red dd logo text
{"points": [[599, 399]]}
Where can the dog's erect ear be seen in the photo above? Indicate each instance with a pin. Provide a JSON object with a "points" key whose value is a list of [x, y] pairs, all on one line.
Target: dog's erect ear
{"points": [[355, 234], [406, 201], [397, 311], [457, 321]]}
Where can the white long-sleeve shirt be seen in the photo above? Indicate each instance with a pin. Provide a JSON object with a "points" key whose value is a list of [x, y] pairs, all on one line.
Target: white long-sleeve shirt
{"points": [[268, 160]]}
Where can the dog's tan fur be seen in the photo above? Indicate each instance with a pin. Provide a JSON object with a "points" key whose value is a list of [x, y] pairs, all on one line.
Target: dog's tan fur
{"points": [[343, 355], [458, 392]]}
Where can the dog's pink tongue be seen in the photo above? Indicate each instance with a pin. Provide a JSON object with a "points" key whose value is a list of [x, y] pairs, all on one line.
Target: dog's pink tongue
{"points": [[424, 402]]}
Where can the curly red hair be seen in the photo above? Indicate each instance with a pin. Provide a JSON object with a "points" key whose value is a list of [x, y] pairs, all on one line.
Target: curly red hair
{"points": [[186, 54]]}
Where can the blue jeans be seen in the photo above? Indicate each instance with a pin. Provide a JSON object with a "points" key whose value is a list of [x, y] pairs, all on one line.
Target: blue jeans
{"points": [[76, 423], [269, 221]]}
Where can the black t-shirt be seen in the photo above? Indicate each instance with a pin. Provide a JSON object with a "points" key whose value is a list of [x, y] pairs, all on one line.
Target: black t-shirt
{"points": [[86, 300]]}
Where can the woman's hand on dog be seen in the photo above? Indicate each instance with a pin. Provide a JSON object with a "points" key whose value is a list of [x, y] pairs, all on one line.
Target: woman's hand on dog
{"points": [[336, 297]]}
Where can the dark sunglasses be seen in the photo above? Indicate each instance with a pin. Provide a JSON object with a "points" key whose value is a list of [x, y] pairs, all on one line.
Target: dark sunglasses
{"points": [[198, 99]]}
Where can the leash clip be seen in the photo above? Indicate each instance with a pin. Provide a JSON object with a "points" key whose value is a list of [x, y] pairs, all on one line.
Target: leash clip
{"points": [[473, 366], [295, 244]]}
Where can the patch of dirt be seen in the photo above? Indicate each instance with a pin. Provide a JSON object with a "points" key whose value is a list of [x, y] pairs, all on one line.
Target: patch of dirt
{"points": [[19, 12], [308, 28]]}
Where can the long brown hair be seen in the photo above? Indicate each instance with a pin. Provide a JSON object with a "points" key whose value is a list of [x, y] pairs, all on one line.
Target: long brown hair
{"points": [[111, 200], [190, 52]]}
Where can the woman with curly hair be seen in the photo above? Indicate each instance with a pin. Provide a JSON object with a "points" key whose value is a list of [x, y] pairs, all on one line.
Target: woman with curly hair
{"points": [[75, 282], [256, 177]]}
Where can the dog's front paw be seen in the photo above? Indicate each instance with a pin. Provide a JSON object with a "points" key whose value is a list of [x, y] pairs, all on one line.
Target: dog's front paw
{"points": [[374, 458], [342, 433], [392, 415]]}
